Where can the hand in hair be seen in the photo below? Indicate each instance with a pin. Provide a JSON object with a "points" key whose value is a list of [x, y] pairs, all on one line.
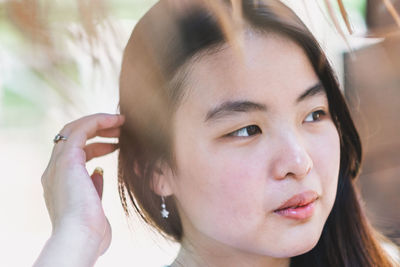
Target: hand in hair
{"points": [[81, 231]]}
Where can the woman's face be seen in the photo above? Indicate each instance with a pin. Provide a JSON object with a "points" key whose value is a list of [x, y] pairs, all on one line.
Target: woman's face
{"points": [[246, 141]]}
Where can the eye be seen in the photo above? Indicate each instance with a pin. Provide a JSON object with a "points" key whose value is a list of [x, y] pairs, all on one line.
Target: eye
{"points": [[315, 115], [246, 131]]}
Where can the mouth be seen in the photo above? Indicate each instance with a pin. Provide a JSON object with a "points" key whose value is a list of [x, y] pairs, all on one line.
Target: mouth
{"points": [[300, 206]]}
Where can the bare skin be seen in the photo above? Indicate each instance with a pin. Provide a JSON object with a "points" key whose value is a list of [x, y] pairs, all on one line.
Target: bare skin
{"points": [[234, 172], [80, 229]]}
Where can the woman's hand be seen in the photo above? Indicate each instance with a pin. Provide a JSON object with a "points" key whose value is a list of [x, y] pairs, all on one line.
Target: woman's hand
{"points": [[72, 196]]}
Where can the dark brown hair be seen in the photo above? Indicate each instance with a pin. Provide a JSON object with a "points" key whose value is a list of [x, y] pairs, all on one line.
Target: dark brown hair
{"points": [[152, 82]]}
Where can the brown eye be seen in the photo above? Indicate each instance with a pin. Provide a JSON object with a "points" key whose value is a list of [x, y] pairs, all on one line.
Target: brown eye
{"points": [[315, 116], [246, 131]]}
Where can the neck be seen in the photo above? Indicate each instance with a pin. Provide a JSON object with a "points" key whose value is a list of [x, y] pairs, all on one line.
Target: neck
{"points": [[195, 255]]}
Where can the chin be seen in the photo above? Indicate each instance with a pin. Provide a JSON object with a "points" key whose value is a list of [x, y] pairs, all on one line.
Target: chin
{"points": [[301, 240], [288, 248], [293, 251], [303, 246]]}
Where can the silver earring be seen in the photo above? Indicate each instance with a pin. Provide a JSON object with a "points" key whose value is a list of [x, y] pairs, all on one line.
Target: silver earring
{"points": [[164, 211]]}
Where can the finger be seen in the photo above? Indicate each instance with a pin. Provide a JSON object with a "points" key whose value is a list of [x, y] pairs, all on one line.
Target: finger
{"points": [[97, 179], [104, 119], [57, 147], [95, 150], [83, 129], [77, 131], [113, 132]]}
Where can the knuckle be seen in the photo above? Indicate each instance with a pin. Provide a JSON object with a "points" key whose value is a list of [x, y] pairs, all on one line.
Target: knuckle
{"points": [[67, 128], [43, 180], [97, 116], [70, 126], [45, 175], [101, 114], [106, 121]]}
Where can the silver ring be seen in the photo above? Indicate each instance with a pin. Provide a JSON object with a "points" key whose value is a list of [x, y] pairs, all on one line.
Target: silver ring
{"points": [[58, 138]]}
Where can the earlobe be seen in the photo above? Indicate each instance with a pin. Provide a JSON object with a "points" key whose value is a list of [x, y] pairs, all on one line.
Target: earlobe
{"points": [[161, 181]]}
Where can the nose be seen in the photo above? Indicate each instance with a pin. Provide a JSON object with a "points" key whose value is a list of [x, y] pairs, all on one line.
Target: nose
{"points": [[291, 158]]}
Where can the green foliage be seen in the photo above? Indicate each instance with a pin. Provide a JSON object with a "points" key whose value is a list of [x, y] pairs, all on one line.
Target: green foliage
{"points": [[359, 6], [18, 110]]}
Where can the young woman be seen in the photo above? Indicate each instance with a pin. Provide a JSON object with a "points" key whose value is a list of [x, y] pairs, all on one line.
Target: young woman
{"points": [[238, 146]]}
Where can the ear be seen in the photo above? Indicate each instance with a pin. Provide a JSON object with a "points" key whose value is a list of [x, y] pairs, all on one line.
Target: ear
{"points": [[162, 179]]}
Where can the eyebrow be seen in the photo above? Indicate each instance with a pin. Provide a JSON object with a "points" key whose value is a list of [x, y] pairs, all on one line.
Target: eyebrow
{"points": [[228, 108], [317, 89]]}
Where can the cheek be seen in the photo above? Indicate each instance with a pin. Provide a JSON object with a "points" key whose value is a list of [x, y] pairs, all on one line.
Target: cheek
{"points": [[243, 179], [224, 183], [326, 164]]}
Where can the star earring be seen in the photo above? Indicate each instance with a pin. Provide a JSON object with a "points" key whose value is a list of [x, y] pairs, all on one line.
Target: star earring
{"points": [[164, 211]]}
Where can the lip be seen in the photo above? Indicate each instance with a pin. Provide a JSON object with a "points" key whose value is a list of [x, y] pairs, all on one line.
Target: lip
{"points": [[299, 206]]}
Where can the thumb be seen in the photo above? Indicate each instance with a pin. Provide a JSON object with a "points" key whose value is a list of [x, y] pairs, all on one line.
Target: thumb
{"points": [[97, 179]]}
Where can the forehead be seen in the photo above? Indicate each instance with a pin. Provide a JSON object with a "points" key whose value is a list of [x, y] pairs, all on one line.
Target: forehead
{"points": [[270, 68]]}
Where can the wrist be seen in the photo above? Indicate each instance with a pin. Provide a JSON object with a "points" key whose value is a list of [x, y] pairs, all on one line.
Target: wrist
{"points": [[70, 247], [71, 225]]}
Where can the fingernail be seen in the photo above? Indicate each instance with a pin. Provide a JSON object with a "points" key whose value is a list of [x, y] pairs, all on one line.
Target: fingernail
{"points": [[99, 171]]}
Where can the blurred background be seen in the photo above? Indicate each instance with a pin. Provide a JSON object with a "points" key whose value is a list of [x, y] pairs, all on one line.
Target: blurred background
{"points": [[60, 60]]}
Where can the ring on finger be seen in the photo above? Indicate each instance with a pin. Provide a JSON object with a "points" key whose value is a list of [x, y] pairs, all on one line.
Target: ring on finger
{"points": [[58, 138]]}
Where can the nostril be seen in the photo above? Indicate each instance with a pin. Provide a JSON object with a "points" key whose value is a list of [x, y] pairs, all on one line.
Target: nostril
{"points": [[291, 159], [310, 167], [309, 170]]}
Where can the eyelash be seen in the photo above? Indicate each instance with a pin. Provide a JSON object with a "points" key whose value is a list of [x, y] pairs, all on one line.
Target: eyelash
{"points": [[251, 127], [320, 112]]}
